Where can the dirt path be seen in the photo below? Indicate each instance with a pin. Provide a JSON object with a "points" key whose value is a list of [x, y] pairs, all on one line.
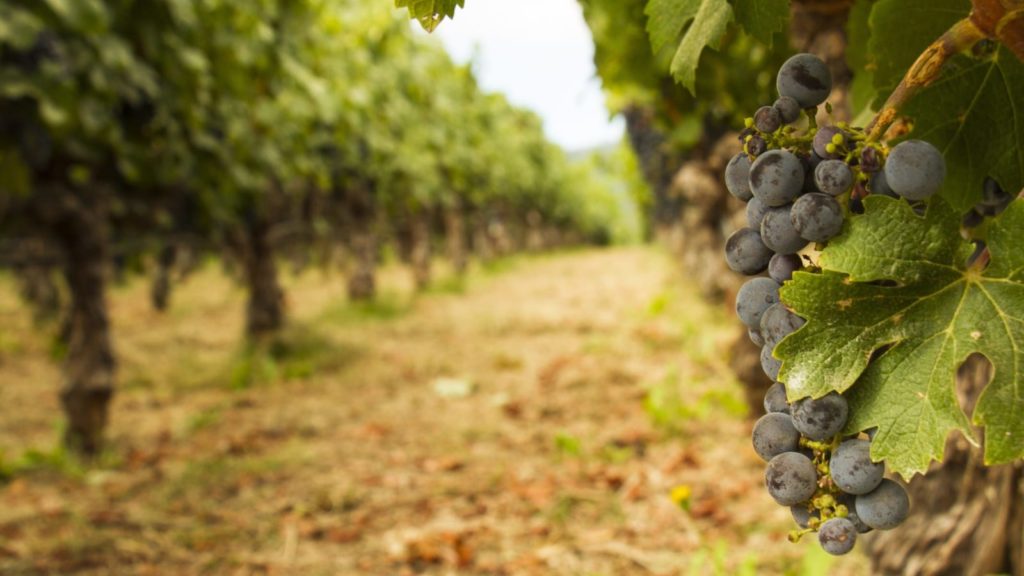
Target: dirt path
{"points": [[535, 423]]}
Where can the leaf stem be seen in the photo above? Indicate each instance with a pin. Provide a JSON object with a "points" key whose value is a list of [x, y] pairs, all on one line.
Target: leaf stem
{"points": [[961, 36]]}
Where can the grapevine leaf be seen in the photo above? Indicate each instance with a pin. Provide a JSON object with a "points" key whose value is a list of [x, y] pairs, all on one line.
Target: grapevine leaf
{"points": [[762, 19], [897, 286], [666, 20], [974, 113], [896, 40], [430, 13]]}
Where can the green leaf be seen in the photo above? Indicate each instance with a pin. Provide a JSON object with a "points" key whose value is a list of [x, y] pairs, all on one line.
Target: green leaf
{"points": [[896, 285], [897, 40], [974, 113], [762, 19], [707, 19], [430, 13]]}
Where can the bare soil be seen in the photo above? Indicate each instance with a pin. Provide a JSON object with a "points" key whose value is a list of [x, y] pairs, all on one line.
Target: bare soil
{"points": [[569, 414]]}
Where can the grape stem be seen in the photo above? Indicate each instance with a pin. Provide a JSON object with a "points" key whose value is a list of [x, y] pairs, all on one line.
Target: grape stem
{"points": [[961, 36]]}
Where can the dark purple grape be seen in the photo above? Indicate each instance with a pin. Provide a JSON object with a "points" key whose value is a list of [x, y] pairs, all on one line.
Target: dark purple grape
{"points": [[778, 232], [802, 515], [754, 297], [833, 177], [777, 322], [769, 363], [791, 478], [824, 137], [816, 217], [776, 177], [755, 213], [737, 177], [837, 536], [806, 79], [746, 253], [884, 507], [775, 399], [820, 418], [774, 434], [880, 186], [767, 119], [870, 160], [852, 470], [756, 146], [782, 266], [915, 169], [789, 109], [755, 336]]}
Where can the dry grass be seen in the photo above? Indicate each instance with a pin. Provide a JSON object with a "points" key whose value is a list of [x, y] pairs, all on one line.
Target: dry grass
{"points": [[597, 384]]}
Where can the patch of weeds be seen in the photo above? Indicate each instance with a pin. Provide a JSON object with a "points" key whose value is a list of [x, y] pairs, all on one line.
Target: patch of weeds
{"points": [[617, 454], [57, 460], [501, 265], [659, 304], [568, 446], [204, 419], [385, 306], [219, 476], [453, 284], [297, 353], [815, 562], [668, 407], [713, 561]]}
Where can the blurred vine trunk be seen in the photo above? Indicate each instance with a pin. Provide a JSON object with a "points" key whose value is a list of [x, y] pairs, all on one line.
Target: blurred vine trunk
{"points": [[657, 164], [161, 290], [420, 252], [360, 222], [265, 312], [483, 245], [535, 240], [35, 280], [966, 519], [78, 223], [455, 232]]}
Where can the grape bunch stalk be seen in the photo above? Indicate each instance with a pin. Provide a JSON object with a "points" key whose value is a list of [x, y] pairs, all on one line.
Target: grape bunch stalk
{"points": [[801, 181]]}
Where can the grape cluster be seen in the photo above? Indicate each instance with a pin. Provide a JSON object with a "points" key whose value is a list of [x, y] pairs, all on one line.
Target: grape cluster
{"points": [[800, 180]]}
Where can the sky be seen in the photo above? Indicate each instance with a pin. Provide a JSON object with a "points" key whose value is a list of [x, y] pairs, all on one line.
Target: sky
{"points": [[540, 54]]}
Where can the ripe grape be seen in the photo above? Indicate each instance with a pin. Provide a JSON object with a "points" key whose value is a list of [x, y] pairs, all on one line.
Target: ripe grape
{"points": [[774, 434], [810, 163], [802, 516], [767, 119], [837, 536], [791, 478], [755, 213], [755, 336], [754, 297], [852, 469], [782, 266], [756, 146], [777, 322], [833, 177], [879, 185], [869, 160], [775, 399], [776, 177], [769, 364], [915, 169], [778, 232], [816, 217], [737, 177], [820, 418], [746, 253], [806, 79], [885, 507], [789, 109], [849, 501], [825, 144]]}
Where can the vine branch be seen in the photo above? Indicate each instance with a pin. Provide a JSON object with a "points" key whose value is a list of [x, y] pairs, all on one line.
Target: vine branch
{"points": [[925, 70]]}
